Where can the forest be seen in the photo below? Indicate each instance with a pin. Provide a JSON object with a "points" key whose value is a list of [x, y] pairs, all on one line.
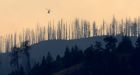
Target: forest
{"points": [[121, 59], [116, 58]]}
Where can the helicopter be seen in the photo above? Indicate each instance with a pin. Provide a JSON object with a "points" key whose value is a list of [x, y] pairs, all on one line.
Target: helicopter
{"points": [[48, 11]]}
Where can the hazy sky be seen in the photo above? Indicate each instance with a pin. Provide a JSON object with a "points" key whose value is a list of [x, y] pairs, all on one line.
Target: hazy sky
{"points": [[18, 14]]}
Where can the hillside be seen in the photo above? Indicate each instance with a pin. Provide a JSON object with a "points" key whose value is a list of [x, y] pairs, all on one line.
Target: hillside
{"points": [[55, 47]]}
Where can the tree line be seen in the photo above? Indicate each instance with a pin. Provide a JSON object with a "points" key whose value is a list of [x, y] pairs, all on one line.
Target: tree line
{"points": [[75, 30]]}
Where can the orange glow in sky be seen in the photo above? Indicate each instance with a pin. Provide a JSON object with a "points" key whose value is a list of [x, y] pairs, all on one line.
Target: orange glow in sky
{"points": [[18, 14]]}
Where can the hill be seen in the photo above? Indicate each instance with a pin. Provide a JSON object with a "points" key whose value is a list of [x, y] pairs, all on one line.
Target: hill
{"points": [[55, 47]]}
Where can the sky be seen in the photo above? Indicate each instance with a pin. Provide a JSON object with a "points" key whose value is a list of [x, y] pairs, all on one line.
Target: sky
{"points": [[15, 15]]}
